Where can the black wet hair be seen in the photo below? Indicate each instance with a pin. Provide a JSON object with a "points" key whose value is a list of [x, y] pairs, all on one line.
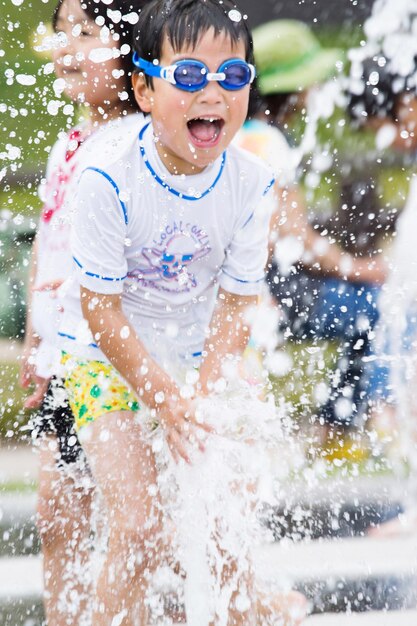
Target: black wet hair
{"points": [[381, 90], [351, 224], [270, 107], [184, 22], [124, 29], [256, 103], [377, 98]]}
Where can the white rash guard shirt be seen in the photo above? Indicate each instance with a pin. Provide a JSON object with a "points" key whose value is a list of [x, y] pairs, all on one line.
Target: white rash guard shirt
{"points": [[167, 243]]}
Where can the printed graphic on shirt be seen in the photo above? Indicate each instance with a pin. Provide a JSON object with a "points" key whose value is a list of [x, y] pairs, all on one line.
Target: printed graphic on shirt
{"points": [[167, 266], [58, 182], [56, 190]]}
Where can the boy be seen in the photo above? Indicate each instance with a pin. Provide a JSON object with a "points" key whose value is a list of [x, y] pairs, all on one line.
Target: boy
{"points": [[176, 226]]}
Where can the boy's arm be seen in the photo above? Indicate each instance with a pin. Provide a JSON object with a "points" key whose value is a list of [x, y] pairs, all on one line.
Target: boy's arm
{"points": [[120, 343], [31, 338], [290, 220], [228, 335], [27, 374], [241, 277]]}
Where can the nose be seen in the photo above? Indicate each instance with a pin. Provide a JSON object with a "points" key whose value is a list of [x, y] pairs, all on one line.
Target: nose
{"points": [[64, 44], [212, 93], [62, 48], [66, 53]]}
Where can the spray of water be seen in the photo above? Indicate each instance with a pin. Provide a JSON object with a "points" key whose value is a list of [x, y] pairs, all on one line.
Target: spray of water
{"points": [[391, 37], [214, 502]]}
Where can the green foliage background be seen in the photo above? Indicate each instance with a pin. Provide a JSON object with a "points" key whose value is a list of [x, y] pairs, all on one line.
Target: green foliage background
{"points": [[25, 121]]}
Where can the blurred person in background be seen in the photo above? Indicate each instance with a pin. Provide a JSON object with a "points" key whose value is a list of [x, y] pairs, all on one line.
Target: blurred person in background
{"points": [[325, 277], [101, 83], [385, 100]]}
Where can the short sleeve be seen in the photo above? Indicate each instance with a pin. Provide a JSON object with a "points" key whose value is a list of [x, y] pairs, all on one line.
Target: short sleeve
{"points": [[243, 271], [99, 233]]}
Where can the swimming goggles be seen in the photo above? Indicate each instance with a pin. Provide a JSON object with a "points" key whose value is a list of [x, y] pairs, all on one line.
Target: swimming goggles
{"points": [[193, 75]]}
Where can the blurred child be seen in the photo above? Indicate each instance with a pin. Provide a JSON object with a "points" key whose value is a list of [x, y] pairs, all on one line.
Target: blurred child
{"points": [[322, 288], [386, 102], [170, 242], [92, 55]]}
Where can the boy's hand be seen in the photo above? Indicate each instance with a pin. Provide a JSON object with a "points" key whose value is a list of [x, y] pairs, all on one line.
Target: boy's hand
{"points": [[27, 363], [181, 426], [35, 399], [52, 286], [28, 376]]}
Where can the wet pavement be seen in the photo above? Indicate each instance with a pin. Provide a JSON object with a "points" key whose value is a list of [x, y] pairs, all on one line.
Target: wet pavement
{"points": [[320, 545], [339, 570]]}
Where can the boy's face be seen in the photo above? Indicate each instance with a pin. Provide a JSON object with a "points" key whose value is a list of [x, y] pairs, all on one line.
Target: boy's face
{"points": [[187, 140], [85, 59]]}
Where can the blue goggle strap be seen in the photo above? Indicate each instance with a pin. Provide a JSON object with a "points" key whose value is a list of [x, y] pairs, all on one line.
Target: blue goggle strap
{"points": [[150, 69]]}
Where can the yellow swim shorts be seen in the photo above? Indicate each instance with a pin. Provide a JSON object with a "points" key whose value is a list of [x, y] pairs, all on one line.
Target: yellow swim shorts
{"points": [[95, 388]]}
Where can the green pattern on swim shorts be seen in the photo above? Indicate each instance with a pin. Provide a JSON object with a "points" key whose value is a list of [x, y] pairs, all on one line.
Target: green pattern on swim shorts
{"points": [[88, 399], [95, 391]]}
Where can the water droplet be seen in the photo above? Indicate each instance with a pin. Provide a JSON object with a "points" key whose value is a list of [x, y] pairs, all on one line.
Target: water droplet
{"points": [[235, 15], [25, 79], [125, 332]]}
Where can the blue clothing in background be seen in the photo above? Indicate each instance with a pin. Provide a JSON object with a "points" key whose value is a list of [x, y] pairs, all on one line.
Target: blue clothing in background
{"points": [[321, 308]]}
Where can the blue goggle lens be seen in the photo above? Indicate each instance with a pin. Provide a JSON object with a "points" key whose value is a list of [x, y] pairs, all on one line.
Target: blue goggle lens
{"points": [[190, 75], [237, 76]]}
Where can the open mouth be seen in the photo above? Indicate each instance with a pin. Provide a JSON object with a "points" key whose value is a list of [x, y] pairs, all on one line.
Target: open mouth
{"points": [[70, 75], [70, 71], [205, 131]]}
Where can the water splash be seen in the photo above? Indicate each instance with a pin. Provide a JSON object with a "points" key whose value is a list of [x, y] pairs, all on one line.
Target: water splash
{"points": [[391, 33], [214, 506], [392, 36]]}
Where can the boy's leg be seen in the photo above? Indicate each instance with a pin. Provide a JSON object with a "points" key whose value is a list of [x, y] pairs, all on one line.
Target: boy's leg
{"points": [[239, 615], [64, 515], [283, 608], [124, 470]]}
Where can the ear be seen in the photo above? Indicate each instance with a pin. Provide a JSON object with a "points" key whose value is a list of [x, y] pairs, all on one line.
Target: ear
{"points": [[143, 93]]}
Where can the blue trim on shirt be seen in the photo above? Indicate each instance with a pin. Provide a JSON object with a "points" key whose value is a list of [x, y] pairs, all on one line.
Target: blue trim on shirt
{"points": [[239, 280], [90, 345], [248, 220], [165, 185], [269, 187], [98, 275], [115, 187]]}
